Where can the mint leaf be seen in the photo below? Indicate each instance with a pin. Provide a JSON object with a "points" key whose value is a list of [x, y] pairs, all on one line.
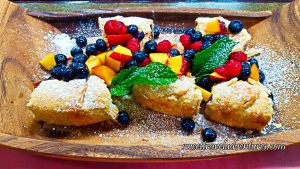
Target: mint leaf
{"points": [[153, 74], [207, 60]]}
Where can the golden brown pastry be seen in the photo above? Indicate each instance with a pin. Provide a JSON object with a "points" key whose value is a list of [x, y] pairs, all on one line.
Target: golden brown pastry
{"points": [[77, 102], [240, 104], [181, 98]]}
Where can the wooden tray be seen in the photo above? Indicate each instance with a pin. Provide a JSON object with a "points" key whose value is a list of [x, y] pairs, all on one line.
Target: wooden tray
{"points": [[22, 44]]}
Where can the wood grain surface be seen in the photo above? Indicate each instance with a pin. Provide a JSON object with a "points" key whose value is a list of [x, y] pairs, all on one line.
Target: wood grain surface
{"points": [[22, 45]]}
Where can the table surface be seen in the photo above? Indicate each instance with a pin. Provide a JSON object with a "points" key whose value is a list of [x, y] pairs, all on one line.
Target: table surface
{"points": [[288, 158]]}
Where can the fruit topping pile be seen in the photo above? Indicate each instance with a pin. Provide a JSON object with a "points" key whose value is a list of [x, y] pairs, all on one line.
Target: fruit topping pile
{"points": [[121, 60]]}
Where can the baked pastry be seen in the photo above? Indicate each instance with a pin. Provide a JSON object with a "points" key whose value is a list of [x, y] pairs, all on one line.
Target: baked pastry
{"points": [[242, 38], [77, 102], [143, 24], [240, 104], [181, 98]]}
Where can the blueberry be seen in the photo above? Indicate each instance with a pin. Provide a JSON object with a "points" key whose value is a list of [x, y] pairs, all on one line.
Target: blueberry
{"points": [[174, 52], [132, 29], [253, 61], [76, 50], [190, 31], [91, 49], [156, 32], [80, 58], [245, 71], [123, 117], [130, 64], [81, 70], [219, 37], [206, 45], [187, 124], [235, 26], [205, 83], [150, 46], [207, 37], [101, 45], [209, 135], [261, 76], [68, 74], [196, 36], [57, 71], [81, 41], [189, 55], [140, 36], [61, 58], [139, 56]]}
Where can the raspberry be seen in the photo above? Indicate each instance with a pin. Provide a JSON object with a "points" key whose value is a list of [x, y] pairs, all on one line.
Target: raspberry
{"points": [[133, 44], [223, 28], [185, 40], [196, 46], [238, 56], [113, 27], [145, 62], [164, 46], [230, 69]]}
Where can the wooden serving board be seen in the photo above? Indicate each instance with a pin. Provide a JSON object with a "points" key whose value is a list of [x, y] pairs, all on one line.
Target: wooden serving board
{"points": [[151, 135]]}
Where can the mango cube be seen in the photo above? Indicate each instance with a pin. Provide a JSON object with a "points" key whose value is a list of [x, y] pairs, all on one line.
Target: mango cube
{"points": [[175, 63], [92, 62], [254, 72], [159, 57], [122, 50], [48, 62], [217, 77], [213, 27], [105, 73], [101, 56], [112, 63], [205, 94]]}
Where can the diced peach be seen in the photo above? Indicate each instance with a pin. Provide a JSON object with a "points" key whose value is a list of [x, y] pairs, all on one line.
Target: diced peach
{"points": [[48, 62], [92, 62], [112, 63], [213, 27], [217, 77], [101, 56], [105, 73], [175, 63], [205, 94], [254, 72], [159, 57]]}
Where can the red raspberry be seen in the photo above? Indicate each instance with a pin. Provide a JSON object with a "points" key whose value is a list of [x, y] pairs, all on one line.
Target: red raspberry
{"points": [[133, 44], [223, 28], [145, 62], [113, 27], [164, 46], [230, 69], [196, 46], [185, 41], [238, 56]]}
